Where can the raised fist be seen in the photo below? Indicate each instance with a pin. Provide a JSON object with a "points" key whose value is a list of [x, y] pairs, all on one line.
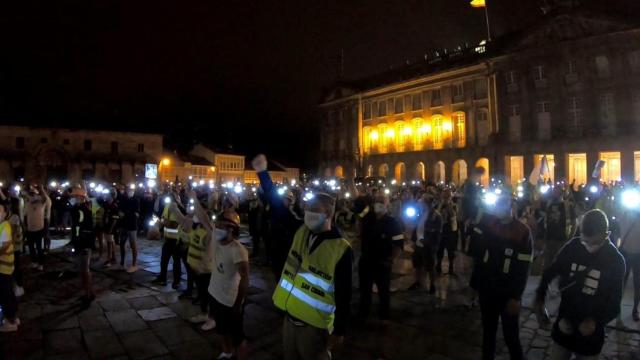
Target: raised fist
{"points": [[259, 163]]}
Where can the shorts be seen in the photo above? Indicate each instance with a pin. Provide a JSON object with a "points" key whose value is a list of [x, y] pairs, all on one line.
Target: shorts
{"points": [[228, 322], [424, 257], [83, 257]]}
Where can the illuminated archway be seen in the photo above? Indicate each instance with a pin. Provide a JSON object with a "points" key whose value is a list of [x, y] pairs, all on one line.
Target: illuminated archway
{"points": [[383, 170], [439, 172], [459, 172], [369, 170], [421, 172], [339, 172], [484, 163], [400, 172]]}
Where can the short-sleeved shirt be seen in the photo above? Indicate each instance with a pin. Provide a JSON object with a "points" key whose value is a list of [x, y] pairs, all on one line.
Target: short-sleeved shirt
{"points": [[225, 278], [379, 236]]}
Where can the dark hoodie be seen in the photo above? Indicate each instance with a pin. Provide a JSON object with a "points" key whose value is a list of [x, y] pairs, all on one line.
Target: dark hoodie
{"points": [[591, 286]]}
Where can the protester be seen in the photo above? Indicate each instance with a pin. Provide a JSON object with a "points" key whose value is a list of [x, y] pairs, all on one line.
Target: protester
{"points": [[8, 301], [35, 212], [170, 248], [630, 248], [111, 219], [382, 240], [18, 245], [449, 241], [228, 285], [591, 272], [83, 239], [428, 235], [129, 212], [501, 247]]}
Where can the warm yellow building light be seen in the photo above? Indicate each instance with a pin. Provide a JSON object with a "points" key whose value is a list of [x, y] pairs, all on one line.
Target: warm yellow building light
{"points": [[426, 128], [166, 162], [407, 131], [390, 133], [374, 135], [447, 126]]}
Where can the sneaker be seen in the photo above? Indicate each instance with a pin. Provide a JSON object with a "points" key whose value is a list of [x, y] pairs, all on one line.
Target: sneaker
{"points": [[200, 318], [132, 269], [18, 291], [40, 268], [224, 356], [9, 327], [210, 324]]}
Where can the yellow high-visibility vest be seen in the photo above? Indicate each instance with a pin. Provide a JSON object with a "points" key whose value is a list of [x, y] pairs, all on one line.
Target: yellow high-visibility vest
{"points": [[170, 224], [197, 250], [6, 260], [306, 287]]}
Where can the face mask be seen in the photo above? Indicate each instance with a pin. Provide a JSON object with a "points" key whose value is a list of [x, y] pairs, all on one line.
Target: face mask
{"points": [[313, 220], [220, 234], [195, 219], [73, 201], [379, 208]]}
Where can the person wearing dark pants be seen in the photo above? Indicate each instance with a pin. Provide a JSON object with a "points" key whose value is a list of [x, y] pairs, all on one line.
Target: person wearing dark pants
{"points": [[170, 250], [36, 252], [630, 248], [382, 240], [449, 240], [16, 233], [501, 248]]}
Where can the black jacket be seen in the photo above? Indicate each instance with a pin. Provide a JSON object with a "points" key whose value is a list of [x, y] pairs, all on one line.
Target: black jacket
{"points": [[502, 254], [82, 232], [591, 286]]}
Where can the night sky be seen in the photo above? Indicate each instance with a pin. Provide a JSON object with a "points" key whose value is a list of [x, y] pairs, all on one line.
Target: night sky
{"points": [[225, 72]]}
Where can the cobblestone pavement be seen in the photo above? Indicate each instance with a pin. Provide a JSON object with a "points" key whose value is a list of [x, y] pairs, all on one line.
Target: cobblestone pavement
{"points": [[132, 319]]}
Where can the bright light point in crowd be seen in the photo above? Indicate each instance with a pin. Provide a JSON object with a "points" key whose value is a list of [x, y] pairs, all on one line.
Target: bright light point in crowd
{"points": [[520, 194], [316, 182], [293, 183], [308, 196], [413, 183], [498, 191], [92, 185], [386, 191], [132, 186], [447, 126], [191, 208], [347, 195], [229, 185], [544, 189], [332, 182], [166, 162], [253, 189], [105, 191], [490, 199], [151, 183], [374, 135], [167, 200], [99, 188], [1, 184], [631, 199], [390, 133], [410, 212], [191, 201], [379, 181], [52, 184], [213, 217], [393, 182], [333, 188], [194, 184], [210, 186], [520, 188], [593, 189], [140, 185], [201, 182], [237, 189], [190, 177], [281, 191], [586, 199]]}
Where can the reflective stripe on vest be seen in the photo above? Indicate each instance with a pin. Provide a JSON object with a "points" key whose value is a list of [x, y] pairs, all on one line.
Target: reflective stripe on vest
{"points": [[169, 231], [307, 284], [6, 260]]}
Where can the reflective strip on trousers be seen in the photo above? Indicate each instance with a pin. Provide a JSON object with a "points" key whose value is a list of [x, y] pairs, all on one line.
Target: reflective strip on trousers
{"points": [[316, 281], [170, 230], [525, 257], [316, 304]]}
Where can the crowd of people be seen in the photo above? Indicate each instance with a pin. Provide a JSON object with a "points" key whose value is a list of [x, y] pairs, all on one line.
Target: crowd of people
{"points": [[585, 235]]}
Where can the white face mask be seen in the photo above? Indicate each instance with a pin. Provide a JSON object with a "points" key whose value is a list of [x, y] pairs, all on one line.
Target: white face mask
{"points": [[379, 208], [220, 234], [195, 219], [314, 221]]}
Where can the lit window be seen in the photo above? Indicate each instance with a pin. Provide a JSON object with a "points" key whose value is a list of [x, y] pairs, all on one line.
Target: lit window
{"points": [[459, 135], [367, 110], [436, 132], [436, 97], [367, 139], [571, 67], [611, 169], [457, 91], [482, 127], [416, 102], [419, 136], [575, 115], [551, 164], [538, 73], [399, 109], [401, 135], [383, 141], [578, 168], [542, 107], [382, 108]]}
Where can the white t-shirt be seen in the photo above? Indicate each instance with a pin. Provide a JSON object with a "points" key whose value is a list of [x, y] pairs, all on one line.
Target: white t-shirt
{"points": [[225, 278]]}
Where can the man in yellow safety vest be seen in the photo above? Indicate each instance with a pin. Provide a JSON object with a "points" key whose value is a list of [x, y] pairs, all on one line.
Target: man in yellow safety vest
{"points": [[8, 301], [170, 248]]}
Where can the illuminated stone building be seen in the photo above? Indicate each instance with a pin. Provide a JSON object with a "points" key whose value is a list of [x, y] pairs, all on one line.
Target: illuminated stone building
{"points": [[568, 88], [43, 154]]}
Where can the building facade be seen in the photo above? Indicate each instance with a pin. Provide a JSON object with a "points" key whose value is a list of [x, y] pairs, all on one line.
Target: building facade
{"points": [[43, 154], [568, 88]]}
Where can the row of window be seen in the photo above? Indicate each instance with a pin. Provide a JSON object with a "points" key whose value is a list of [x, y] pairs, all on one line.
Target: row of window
{"points": [[231, 166], [601, 62], [417, 101], [418, 134], [87, 145]]}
